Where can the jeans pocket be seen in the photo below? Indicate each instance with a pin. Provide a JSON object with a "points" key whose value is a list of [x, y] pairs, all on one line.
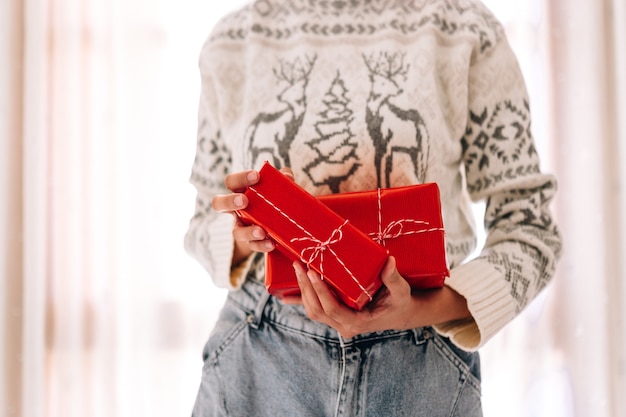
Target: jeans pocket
{"points": [[467, 363]]}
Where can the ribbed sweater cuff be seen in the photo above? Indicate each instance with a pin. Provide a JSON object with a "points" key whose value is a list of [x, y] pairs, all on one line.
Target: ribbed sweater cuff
{"points": [[221, 250], [222, 246], [489, 301]]}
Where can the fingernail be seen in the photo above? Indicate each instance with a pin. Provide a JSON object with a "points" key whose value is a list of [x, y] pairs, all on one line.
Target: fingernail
{"points": [[269, 245], [252, 176], [298, 271], [258, 234], [238, 200], [311, 276]]}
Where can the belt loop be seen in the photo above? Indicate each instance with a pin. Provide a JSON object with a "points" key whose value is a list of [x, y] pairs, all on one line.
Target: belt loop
{"points": [[422, 334], [254, 320]]}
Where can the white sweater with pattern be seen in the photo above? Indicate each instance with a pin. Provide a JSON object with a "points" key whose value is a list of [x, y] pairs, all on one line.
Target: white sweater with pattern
{"points": [[359, 94]]}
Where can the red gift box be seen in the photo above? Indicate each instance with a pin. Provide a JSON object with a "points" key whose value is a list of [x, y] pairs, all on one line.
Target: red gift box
{"points": [[405, 220], [305, 229]]}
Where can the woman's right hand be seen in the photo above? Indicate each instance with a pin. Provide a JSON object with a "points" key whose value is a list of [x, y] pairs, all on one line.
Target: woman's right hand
{"points": [[248, 239]]}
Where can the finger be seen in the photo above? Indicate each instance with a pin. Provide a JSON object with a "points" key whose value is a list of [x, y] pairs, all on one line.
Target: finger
{"points": [[244, 233], [262, 245], [229, 202], [255, 237], [333, 308], [306, 290], [391, 278], [237, 182], [311, 302]]}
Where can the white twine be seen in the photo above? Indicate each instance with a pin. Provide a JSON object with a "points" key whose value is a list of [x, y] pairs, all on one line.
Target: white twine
{"points": [[317, 250], [388, 233]]}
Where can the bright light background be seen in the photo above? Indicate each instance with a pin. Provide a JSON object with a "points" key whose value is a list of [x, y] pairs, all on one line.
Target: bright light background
{"points": [[185, 25]]}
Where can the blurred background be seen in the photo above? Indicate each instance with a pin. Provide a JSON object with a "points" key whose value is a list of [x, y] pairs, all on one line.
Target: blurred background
{"points": [[103, 314]]}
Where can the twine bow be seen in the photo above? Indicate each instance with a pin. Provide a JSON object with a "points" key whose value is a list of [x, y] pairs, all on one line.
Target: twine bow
{"points": [[395, 229], [318, 248], [311, 253]]}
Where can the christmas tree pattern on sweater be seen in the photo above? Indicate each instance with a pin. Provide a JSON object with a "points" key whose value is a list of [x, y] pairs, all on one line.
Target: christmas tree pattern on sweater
{"points": [[335, 146]]}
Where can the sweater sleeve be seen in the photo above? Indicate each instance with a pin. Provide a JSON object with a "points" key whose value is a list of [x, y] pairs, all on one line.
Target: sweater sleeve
{"points": [[209, 236], [502, 169]]}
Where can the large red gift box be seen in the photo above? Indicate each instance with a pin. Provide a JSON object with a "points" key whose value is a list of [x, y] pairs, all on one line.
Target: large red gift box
{"points": [[405, 220], [305, 229]]}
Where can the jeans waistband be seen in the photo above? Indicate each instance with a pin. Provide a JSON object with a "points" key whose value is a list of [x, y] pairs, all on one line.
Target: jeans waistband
{"points": [[260, 306]]}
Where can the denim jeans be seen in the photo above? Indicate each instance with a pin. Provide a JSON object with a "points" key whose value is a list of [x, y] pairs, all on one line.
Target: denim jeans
{"points": [[265, 358]]}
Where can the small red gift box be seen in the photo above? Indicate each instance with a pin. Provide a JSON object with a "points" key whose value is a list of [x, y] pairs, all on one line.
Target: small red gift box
{"points": [[405, 220], [305, 229]]}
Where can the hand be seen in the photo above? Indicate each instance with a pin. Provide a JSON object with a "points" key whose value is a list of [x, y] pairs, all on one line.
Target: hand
{"points": [[248, 239], [395, 306]]}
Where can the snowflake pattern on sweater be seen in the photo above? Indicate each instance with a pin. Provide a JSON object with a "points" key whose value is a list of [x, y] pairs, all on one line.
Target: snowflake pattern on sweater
{"points": [[359, 94]]}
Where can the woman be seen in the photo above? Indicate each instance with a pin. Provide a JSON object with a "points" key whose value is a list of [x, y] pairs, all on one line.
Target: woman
{"points": [[350, 96]]}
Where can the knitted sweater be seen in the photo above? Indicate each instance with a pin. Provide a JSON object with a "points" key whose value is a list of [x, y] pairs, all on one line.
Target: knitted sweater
{"points": [[360, 94]]}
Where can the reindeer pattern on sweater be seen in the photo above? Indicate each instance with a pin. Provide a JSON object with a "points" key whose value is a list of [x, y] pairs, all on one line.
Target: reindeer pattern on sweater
{"points": [[394, 133]]}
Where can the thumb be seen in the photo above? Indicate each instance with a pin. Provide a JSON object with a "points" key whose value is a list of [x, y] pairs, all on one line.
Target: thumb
{"points": [[391, 277]]}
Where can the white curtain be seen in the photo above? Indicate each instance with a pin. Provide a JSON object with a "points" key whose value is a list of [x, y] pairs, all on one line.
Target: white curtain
{"points": [[588, 97], [102, 313], [566, 355]]}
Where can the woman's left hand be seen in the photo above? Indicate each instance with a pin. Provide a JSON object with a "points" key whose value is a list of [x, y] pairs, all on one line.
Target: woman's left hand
{"points": [[395, 306]]}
